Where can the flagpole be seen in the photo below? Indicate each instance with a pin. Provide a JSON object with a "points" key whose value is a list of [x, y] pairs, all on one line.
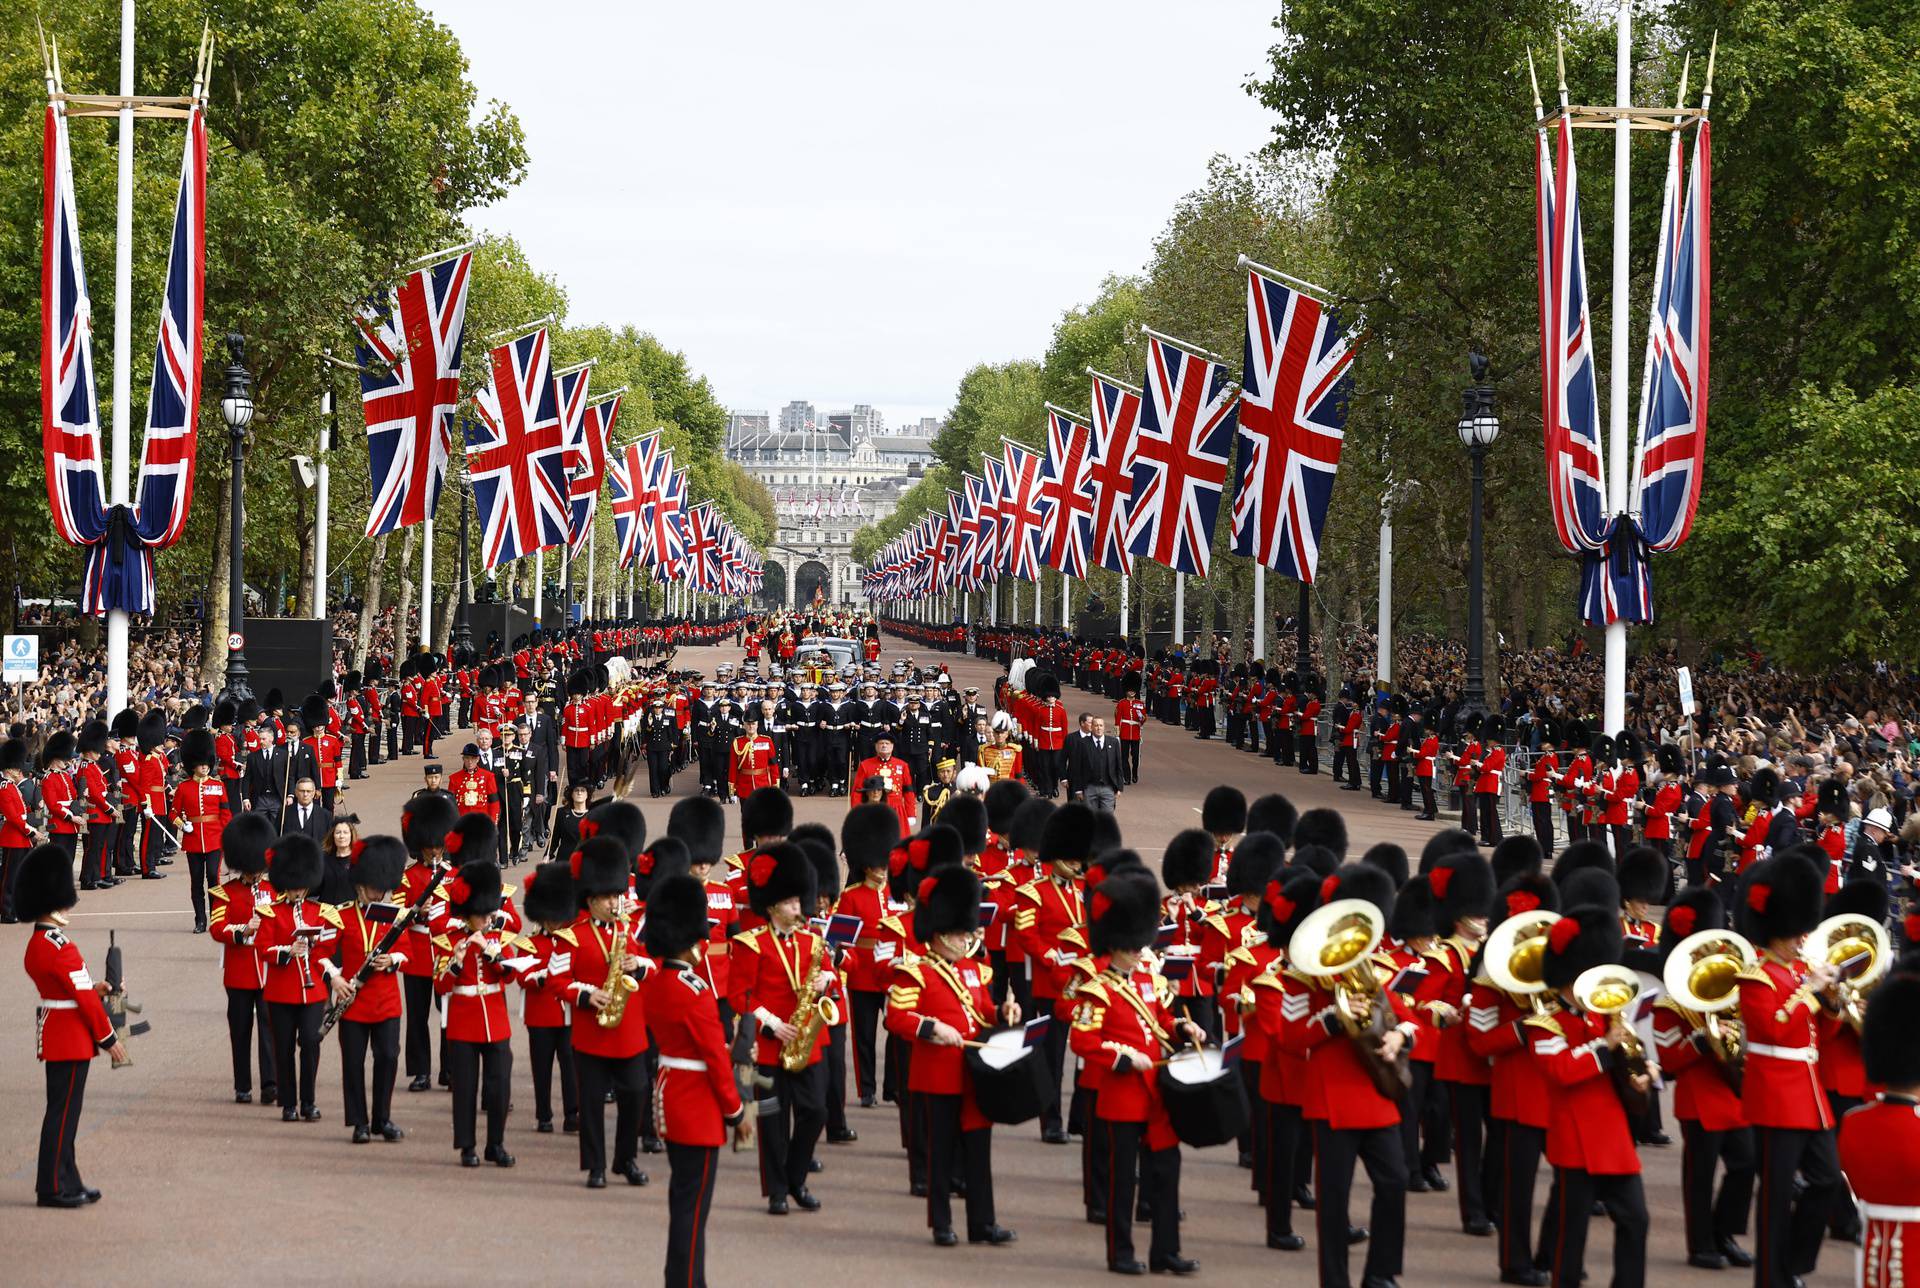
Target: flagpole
{"points": [[426, 583], [1179, 608], [1259, 609], [1124, 581], [327, 422], [1614, 715], [590, 561], [539, 584], [122, 351], [1300, 284]]}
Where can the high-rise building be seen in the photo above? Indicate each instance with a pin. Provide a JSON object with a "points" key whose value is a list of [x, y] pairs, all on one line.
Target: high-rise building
{"points": [[798, 417]]}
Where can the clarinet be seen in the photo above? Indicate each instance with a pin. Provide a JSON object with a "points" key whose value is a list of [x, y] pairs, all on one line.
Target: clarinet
{"points": [[337, 1008]]}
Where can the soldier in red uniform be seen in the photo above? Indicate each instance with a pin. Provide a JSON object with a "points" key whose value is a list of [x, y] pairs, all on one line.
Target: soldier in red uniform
{"points": [[71, 1022], [753, 762], [1050, 919], [867, 835], [773, 967], [295, 935], [96, 806], [1463, 892], [126, 768], [150, 791], [1129, 715], [1425, 758], [199, 815], [939, 1003], [475, 790], [472, 972], [1486, 782], [1781, 1004], [895, 777], [547, 899], [1668, 797], [607, 1055], [425, 820], [1879, 1140], [696, 1104], [240, 904], [1288, 896], [1187, 868], [1540, 776], [59, 792], [372, 1018], [1049, 734]]}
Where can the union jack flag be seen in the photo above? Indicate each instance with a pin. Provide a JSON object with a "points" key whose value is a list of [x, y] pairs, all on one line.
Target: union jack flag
{"points": [[953, 546], [989, 559], [583, 483], [1187, 415], [517, 452], [667, 551], [703, 548], [1116, 415], [1066, 495], [69, 410], [1576, 474], [1293, 417], [623, 466], [409, 385], [1021, 529]]}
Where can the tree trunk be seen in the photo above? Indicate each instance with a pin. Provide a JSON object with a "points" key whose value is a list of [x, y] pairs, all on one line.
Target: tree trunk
{"points": [[402, 636], [213, 633], [370, 607]]}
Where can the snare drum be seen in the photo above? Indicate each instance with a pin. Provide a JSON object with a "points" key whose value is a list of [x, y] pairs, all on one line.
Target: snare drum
{"points": [[1009, 1077], [1204, 1097]]}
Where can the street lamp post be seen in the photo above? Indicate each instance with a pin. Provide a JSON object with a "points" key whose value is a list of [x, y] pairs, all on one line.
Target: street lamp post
{"points": [[1478, 427], [462, 641], [236, 407]]}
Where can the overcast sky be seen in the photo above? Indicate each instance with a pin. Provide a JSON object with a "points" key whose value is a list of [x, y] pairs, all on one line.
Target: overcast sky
{"points": [[854, 202]]}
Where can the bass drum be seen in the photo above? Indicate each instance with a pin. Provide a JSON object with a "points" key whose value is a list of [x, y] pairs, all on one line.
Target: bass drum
{"points": [[1204, 1097], [1009, 1077]]}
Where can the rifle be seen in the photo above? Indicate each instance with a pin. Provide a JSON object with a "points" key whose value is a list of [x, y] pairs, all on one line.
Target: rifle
{"points": [[118, 1003], [337, 1007]]}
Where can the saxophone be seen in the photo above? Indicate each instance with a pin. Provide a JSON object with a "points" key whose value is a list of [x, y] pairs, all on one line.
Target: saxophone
{"points": [[619, 985], [808, 1017]]}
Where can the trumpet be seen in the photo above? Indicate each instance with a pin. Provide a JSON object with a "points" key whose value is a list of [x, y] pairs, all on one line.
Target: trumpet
{"points": [[1858, 950], [1515, 953], [1702, 978]]}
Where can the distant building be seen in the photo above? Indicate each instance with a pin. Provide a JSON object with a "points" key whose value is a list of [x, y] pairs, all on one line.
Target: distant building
{"points": [[797, 418], [746, 424]]}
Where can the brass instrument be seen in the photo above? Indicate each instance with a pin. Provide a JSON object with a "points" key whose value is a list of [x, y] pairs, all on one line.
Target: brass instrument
{"points": [[1702, 978], [1515, 952], [808, 1017], [619, 985], [1610, 990], [1858, 949], [1335, 944]]}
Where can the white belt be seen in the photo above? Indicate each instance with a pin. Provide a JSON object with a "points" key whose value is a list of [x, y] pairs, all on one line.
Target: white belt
{"points": [[58, 1004], [475, 990], [681, 1062], [1803, 1054], [1888, 1212]]}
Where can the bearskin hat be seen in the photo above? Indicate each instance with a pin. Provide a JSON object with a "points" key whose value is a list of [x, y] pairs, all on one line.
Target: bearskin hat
{"points": [[1224, 812], [61, 747], [1285, 902], [1448, 840], [1583, 938], [1390, 859], [1111, 862], [293, 862], [779, 872], [1593, 887], [967, 816], [1359, 881], [1188, 860], [599, 866], [867, 835], [225, 712], [1522, 893], [1463, 887], [621, 820], [44, 884], [547, 899], [472, 838], [1103, 834], [1693, 910], [700, 824], [425, 821], [676, 916], [1322, 827], [474, 889], [126, 723], [1030, 824], [1887, 1047], [1779, 899], [1068, 835], [1582, 854], [1672, 761], [1626, 745], [1869, 899], [1517, 854], [1764, 788], [1124, 913], [766, 814], [1254, 862], [1415, 914], [1002, 800], [93, 737], [1601, 751], [196, 749], [244, 842], [1832, 800], [194, 718], [152, 730], [925, 852], [1273, 813], [313, 711], [1315, 858], [666, 857], [378, 863], [1042, 684], [948, 903], [1645, 875]]}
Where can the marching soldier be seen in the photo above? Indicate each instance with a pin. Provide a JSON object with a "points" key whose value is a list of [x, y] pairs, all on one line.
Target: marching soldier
{"points": [[59, 792], [96, 861], [150, 790], [471, 975], [1129, 714], [609, 1027], [752, 760], [295, 935], [200, 817], [867, 836], [425, 821], [548, 901], [371, 1020], [240, 905], [1050, 919], [323, 746], [1878, 1139]]}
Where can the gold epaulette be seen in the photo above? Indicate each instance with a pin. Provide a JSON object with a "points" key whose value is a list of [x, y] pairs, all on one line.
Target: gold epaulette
{"points": [[330, 913], [895, 925], [1242, 955], [1028, 891], [986, 974], [1219, 923], [1073, 936], [748, 939], [218, 893], [566, 936], [1547, 1020]]}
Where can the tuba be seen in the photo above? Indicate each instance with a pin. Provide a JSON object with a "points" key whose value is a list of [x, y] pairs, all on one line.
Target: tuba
{"points": [[1515, 952], [1334, 944], [808, 1017], [1610, 990], [1702, 978], [1858, 949]]}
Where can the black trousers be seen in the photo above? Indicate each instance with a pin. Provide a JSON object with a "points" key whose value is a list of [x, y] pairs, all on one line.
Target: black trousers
{"points": [[246, 1009], [792, 1111], [1490, 818], [865, 1022], [1844, 1223], [123, 844], [1055, 1046], [627, 1079], [1095, 1161], [1469, 811], [1428, 805], [59, 1172], [421, 1009], [357, 755], [547, 1046], [95, 854], [356, 1039], [1350, 758], [149, 846], [1543, 823], [10, 859], [1625, 1200], [1284, 1130], [836, 1063], [1378, 1148], [482, 1075], [1130, 759], [940, 1115], [1413, 1112], [1468, 1103], [1159, 1190], [1790, 1231], [1518, 1148], [689, 1200], [1701, 1153], [1280, 742], [203, 872], [296, 1024], [1309, 755]]}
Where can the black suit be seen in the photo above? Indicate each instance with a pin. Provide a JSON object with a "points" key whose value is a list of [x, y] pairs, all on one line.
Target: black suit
{"points": [[319, 822], [270, 778], [1094, 764], [543, 748]]}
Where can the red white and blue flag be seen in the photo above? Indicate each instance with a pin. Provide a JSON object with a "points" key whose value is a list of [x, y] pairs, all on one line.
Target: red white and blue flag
{"points": [[631, 479], [953, 545], [667, 551], [69, 407], [988, 556], [1293, 418], [517, 454], [572, 390], [703, 548], [1021, 529], [409, 354], [1066, 495], [1116, 415], [583, 483], [1187, 414]]}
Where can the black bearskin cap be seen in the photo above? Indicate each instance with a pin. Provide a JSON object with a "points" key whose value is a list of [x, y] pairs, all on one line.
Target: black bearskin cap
{"points": [[1887, 1047], [948, 903], [676, 917], [599, 866], [1415, 914], [1187, 860], [1390, 859], [380, 863], [1462, 887], [867, 835], [1583, 938], [766, 814], [779, 872], [244, 842], [1224, 812], [1322, 827], [547, 896], [44, 884], [1003, 799], [474, 889], [1779, 899], [1517, 854], [293, 863], [425, 821], [700, 824], [1273, 813], [1645, 875], [1124, 913], [473, 838], [1255, 861], [967, 816]]}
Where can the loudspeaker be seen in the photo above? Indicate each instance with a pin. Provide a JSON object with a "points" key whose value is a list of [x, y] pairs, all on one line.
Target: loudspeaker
{"points": [[291, 654]]}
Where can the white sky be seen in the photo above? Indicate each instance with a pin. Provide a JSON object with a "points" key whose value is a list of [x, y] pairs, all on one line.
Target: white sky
{"points": [[855, 202]]}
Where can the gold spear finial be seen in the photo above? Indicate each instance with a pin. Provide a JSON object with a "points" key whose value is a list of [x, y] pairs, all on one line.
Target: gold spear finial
{"points": [[1534, 79], [1560, 54], [1686, 65], [1713, 50]]}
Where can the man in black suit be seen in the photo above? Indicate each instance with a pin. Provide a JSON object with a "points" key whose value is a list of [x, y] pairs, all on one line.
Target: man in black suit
{"points": [[272, 769], [307, 815], [1094, 774], [542, 738]]}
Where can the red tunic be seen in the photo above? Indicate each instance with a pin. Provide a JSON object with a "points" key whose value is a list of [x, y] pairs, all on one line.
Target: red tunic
{"points": [[418, 945], [1114, 1014], [234, 904], [543, 988], [379, 997], [203, 804], [1701, 1092], [1878, 1143], [475, 988], [57, 792], [1780, 1087], [593, 950], [290, 978], [865, 971], [694, 1095], [70, 1022], [769, 970], [955, 994], [1048, 918], [1588, 1128], [716, 962], [1457, 1061], [1497, 1030], [1338, 1087]]}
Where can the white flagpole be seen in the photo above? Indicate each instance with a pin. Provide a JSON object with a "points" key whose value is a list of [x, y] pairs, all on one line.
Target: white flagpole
{"points": [[1614, 714], [590, 561], [426, 583], [539, 583], [320, 499], [1124, 581], [1066, 601], [1383, 667], [1259, 609], [1179, 608], [122, 352]]}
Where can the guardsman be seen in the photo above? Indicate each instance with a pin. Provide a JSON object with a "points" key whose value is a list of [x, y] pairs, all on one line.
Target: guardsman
{"points": [[1307, 730], [96, 864], [425, 821], [150, 790], [1620, 789], [355, 726], [1187, 868], [1050, 919], [1878, 1140], [608, 1052], [371, 1021], [867, 836], [1002, 757], [474, 788], [1350, 718], [199, 817], [323, 747], [1129, 715], [240, 905], [547, 899], [71, 1024], [1540, 776], [229, 746], [1426, 757], [1049, 735], [1463, 890], [295, 935], [472, 972], [752, 762], [1492, 763], [60, 793], [126, 768], [1668, 797], [576, 724], [895, 778], [696, 1104]]}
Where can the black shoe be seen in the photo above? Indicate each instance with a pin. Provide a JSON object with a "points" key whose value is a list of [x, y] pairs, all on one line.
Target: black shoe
{"points": [[1126, 1268], [867, 1102], [651, 1145], [1417, 1184], [443, 1080], [634, 1176], [815, 1165], [1435, 1181], [1096, 1218], [90, 1194], [289, 1115], [1658, 1139], [1734, 1253], [469, 1159], [243, 1097], [89, 885], [62, 1200], [570, 1124], [1054, 1137], [155, 875], [268, 1095], [200, 927], [311, 1113], [1528, 1278], [1706, 1261], [776, 1207], [845, 1136], [596, 1180], [389, 1132], [1303, 1198], [1379, 1281], [498, 1156], [1176, 1265], [361, 1135], [1245, 1160], [1479, 1227], [1356, 1234], [994, 1234], [945, 1238], [806, 1201], [544, 1126], [1286, 1242], [918, 1189], [421, 1083]]}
